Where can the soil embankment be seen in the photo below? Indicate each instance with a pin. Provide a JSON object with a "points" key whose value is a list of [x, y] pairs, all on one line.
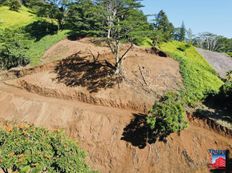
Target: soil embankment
{"points": [[80, 77], [99, 130], [104, 114]]}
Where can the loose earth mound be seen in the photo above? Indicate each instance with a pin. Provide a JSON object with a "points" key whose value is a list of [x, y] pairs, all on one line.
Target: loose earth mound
{"points": [[80, 77], [113, 141], [105, 114]]}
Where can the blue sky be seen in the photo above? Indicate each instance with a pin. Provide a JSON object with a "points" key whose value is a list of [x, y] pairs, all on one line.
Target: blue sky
{"points": [[200, 15]]}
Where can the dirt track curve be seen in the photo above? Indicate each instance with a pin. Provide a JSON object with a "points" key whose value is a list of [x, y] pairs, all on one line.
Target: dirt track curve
{"points": [[221, 63]]}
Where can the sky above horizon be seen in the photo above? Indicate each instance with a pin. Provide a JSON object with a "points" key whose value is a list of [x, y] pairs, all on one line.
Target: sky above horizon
{"points": [[213, 16]]}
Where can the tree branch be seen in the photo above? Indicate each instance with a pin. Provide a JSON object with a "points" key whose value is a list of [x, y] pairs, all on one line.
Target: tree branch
{"points": [[109, 44], [126, 51], [5, 170]]}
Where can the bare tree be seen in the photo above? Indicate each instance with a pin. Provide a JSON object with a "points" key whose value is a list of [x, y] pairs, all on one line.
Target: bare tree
{"points": [[207, 41]]}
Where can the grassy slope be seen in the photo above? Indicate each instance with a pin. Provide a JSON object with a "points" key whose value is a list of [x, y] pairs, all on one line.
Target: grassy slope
{"points": [[199, 77], [14, 20], [9, 19], [146, 43], [38, 48]]}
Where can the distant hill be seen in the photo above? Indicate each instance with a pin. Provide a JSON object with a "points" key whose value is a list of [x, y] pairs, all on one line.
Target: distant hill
{"points": [[9, 18]]}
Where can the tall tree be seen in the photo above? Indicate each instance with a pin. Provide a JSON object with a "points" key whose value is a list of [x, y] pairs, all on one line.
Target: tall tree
{"points": [[85, 18], [164, 29], [119, 26], [53, 9], [182, 32], [189, 34]]}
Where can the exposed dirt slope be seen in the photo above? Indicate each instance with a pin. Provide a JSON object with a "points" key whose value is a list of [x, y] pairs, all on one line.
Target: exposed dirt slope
{"points": [[78, 77], [99, 131], [222, 63], [103, 113]]}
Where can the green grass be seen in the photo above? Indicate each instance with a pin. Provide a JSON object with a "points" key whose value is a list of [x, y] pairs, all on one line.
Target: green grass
{"points": [[229, 53], [37, 48], [146, 43], [13, 19], [198, 76]]}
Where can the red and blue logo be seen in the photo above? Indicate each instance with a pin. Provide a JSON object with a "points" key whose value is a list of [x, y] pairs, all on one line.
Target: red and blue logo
{"points": [[217, 159]]}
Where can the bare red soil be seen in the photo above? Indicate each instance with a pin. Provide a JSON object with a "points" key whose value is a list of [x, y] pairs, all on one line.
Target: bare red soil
{"points": [[145, 78], [104, 115]]}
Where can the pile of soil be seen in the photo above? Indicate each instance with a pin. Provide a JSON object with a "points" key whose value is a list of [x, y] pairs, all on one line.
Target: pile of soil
{"points": [[114, 138], [80, 76], [104, 114]]}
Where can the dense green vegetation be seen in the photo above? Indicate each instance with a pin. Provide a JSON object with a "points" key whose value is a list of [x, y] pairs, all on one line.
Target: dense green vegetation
{"points": [[229, 53], [13, 49], [225, 93], [26, 148], [164, 29], [199, 77], [17, 48], [167, 115]]}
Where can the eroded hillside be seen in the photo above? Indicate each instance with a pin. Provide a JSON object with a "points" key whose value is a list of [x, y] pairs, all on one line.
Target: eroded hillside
{"points": [[106, 115]]}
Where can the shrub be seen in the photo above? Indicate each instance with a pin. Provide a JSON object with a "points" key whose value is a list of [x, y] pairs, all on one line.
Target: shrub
{"points": [[25, 148], [41, 28], [13, 47], [229, 76], [226, 89], [14, 5], [229, 53], [183, 47], [225, 95], [221, 100], [167, 115]]}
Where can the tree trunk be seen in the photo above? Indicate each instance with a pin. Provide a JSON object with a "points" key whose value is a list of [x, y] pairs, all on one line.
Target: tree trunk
{"points": [[117, 58], [5, 170], [109, 29], [118, 69]]}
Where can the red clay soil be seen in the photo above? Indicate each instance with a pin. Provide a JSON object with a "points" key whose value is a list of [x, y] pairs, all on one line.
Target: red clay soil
{"points": [[105, 115], [99, 130], [146, 77]]}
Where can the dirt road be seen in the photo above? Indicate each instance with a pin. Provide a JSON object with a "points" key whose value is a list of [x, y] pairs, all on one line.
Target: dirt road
{"points": [[220, 62]]}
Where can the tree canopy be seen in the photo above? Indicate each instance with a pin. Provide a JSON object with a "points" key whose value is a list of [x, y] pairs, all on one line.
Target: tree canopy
{"points": [[164, 29]]}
